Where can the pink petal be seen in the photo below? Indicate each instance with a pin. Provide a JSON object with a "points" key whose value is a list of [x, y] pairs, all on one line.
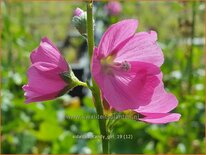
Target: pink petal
{"points": [[44, 80], [116, 34], [48, 52], [160, 118], [129, 90], [161, 102], [141, 47]]}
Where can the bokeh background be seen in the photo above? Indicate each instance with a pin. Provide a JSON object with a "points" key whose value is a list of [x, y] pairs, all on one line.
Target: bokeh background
{"points": [[45, 127]]}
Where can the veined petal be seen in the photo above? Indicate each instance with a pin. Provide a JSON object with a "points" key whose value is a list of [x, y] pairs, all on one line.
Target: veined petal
{"points": [[141, 47], [48, 52], [160, 118], [161, 102], [156, 111], [116, 34]]}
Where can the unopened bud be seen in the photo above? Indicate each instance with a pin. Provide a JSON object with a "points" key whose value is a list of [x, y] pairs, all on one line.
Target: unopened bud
{"points": [[79, 21]]}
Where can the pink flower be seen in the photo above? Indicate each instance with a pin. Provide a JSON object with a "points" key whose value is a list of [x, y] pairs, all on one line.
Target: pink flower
{"points": [[113, 8], [126, 66], [45, 82], [78, 12]]}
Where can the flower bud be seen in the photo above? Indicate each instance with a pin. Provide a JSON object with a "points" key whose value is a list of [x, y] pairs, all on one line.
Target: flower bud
{"points": [[79, 21]]}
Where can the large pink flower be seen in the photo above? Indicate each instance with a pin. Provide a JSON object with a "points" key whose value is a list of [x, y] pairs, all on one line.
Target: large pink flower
{"points": [[126, 66], [45, 82]]}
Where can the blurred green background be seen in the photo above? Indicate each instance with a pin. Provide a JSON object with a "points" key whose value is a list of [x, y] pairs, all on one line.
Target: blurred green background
{"points": [[44, 127]]}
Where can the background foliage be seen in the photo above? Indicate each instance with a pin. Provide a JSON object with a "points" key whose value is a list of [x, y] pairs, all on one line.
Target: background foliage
{"points": [[44, 127]]}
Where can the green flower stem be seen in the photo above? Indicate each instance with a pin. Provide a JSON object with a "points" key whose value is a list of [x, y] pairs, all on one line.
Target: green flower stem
{"points": [[102, 122], [80, 83], [94, 88]]}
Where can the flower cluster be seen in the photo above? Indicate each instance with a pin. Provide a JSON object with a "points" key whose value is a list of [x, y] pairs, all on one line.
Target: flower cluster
{"points": [[125, 65]]}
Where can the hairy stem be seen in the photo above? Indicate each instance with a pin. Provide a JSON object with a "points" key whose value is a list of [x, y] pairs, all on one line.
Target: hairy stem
{"points": [[94, 88], [90, 29]]}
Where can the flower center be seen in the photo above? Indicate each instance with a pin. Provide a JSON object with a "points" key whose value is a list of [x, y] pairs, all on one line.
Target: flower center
{"points": [[108, 65], [125, 66]]}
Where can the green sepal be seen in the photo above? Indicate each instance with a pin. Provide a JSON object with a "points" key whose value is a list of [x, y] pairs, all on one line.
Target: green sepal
{"points": [[71, 80], [69, 77]]}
